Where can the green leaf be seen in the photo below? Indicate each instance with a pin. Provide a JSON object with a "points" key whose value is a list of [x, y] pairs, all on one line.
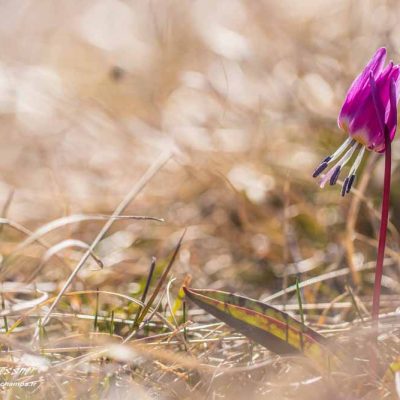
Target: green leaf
{"points": [[266, 325]]}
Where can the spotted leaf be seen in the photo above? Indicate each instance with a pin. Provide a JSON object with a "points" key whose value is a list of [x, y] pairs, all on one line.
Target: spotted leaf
{"points": [[266, 325]]}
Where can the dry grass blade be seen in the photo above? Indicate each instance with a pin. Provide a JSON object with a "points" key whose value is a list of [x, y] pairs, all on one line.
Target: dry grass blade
{"points": [[320, 278], [17, 226], [20, 228], [6, 206], [72, 219], [61, 246], [137, 188], [26, 305], [43, 303]]}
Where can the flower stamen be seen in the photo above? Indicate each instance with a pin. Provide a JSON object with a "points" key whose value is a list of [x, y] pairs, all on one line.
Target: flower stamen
{"points": [[333, 174], [348, 182], [333, 157], [320, 168], [345, 185]]}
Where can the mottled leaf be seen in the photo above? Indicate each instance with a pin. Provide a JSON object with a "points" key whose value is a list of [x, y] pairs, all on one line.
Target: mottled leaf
{"points": [[266, 325]]}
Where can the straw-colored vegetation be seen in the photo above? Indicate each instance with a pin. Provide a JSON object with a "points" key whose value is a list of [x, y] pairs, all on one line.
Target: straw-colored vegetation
{"points": [[207, 116]]}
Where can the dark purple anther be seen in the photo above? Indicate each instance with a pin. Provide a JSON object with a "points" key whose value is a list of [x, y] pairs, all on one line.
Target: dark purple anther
{"points": [[335, 175], [350, 184], [344, 187], [323, 165]]}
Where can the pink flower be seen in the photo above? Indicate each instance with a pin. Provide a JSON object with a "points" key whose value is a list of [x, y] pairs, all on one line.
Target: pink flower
{"points": [[369, 108]]}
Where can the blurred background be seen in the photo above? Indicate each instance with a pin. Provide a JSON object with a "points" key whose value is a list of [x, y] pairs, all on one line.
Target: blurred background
{"points": [[244, 93]]}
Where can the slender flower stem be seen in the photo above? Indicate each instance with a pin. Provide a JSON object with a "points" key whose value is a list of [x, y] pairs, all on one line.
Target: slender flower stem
{"points": [[383, 228]]}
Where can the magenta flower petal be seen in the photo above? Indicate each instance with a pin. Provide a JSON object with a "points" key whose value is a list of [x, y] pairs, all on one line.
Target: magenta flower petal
{"points": [[365, 126], [359, 86], [378, 106], [392, 118]]}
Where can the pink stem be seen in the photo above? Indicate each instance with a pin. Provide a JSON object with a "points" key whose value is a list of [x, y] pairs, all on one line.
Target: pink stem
{"points": [[383, 229]]}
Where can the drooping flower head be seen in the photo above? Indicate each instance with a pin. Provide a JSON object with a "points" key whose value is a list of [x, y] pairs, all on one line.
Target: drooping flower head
{"points": [[369, 108]]}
